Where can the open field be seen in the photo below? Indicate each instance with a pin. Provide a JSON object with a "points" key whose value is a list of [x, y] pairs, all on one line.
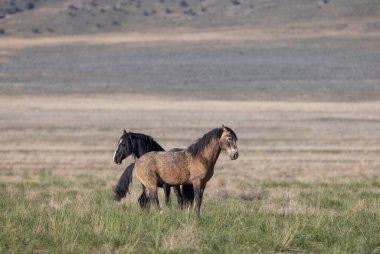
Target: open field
{"points": [[72, 212], [307, 179], [316, 69], [303, 98]]}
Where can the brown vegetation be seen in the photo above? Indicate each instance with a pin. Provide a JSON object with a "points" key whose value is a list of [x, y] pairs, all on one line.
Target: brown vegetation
{"points": [[308, 142]]}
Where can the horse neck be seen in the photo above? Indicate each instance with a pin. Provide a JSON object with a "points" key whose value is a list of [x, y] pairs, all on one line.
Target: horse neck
{"points": [[143, 148], [139, 150], [211, 153]]}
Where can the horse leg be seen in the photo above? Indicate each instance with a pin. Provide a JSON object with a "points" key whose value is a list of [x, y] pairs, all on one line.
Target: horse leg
{"points": [[149, 180], [143, 200], [198, 193], [177, 191], [187, 192], [166, 188], [153, 197]]}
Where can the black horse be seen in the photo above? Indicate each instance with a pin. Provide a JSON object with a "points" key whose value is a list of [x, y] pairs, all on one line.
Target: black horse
{"points": [[137, 144]]}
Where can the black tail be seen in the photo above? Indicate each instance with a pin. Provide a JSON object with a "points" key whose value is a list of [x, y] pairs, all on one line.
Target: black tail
{"points": [[122, 186], [188, 193]]}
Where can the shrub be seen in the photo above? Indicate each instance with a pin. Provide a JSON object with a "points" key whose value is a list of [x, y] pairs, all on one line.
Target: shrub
{"points": [[36, 30], [183, 3], [235, 2], [30, 6]]}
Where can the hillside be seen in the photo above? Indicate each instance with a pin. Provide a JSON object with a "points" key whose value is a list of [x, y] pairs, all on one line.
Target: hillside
{"points": [[55, 17]]}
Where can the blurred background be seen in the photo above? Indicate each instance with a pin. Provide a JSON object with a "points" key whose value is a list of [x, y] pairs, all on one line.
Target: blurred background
{"points": [[298, 81]]}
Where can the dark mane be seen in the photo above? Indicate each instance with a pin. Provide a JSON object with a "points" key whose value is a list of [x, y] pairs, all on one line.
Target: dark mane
{"points": [[202, 142], [145, 144]]}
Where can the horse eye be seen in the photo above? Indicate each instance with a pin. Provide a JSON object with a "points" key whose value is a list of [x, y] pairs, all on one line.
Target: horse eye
{"points": [[229, 138]]}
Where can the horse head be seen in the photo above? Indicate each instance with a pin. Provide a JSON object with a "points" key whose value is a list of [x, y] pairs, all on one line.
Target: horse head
{"points": [[227, 142], [124, 147]]}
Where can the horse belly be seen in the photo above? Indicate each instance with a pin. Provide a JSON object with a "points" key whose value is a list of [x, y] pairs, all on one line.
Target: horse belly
{"points": [[174, 175]]}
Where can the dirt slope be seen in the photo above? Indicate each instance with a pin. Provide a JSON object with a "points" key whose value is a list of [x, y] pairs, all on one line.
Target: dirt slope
{"points": [[52, 17]]}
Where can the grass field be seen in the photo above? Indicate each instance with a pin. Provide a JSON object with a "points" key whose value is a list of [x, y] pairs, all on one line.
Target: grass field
{"points": [[307, 178], [303, 98], [73, 212]]}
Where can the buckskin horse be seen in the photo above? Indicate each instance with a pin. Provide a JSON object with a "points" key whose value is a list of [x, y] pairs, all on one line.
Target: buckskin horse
{"points": [[138, 144], [194, 165]]}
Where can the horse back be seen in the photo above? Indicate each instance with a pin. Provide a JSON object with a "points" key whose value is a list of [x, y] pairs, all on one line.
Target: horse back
{"points": [[168, 167]]}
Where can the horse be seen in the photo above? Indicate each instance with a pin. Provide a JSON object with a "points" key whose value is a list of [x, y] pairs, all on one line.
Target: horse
{"points": [[194, 165], [137, 144]]}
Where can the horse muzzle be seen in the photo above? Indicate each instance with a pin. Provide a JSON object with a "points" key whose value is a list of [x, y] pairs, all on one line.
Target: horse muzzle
{"points": [[118, 162], [234, 155]]}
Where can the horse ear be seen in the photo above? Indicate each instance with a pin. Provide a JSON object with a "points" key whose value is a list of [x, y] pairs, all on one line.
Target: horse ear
{"points": [[129, 134], [225, 129], [124, 131]]}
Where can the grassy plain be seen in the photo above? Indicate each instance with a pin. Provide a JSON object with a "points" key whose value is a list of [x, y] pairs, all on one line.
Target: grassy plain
{"points": [[305, 109], [64, 212], [307, 179]]}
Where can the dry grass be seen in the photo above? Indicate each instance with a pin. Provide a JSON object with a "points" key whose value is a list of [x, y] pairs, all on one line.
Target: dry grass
{"points": [[186, 237], [309, 142]]}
